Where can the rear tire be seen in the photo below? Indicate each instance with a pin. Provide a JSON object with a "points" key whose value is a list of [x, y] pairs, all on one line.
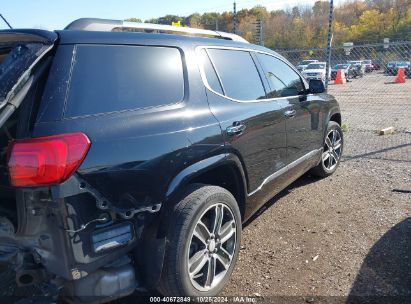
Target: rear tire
{"points": [[203, 242], [332, 152]]}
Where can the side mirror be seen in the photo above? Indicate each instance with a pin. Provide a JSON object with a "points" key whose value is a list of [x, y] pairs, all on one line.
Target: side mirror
{"points": [[316, 86]]}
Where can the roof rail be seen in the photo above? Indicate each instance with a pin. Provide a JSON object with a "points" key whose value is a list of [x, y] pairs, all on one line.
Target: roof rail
{"points": [[106, 25]]}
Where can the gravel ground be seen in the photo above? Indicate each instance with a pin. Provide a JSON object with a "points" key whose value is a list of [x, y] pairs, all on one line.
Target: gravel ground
{"points": [[347, 235]]}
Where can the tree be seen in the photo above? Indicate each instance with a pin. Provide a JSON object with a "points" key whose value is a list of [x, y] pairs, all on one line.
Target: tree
{"points": [[169, 19], [307, 26], [194, 20], [133, 20], [295, 13]]}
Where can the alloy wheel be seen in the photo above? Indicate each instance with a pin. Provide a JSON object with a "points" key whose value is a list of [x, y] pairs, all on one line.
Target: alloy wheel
{"points": [[332, 150], [212, 247]]}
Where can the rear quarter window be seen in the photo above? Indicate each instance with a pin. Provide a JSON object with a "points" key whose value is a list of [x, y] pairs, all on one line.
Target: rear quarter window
{"points": [[116, 78]]}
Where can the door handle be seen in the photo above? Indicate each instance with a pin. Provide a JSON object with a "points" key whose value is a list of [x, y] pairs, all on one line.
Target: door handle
{"points": [[236, 129], [290, 113]]}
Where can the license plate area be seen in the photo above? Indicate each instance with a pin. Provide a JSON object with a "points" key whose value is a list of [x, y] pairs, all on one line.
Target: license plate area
{"points": [[112, 237]]}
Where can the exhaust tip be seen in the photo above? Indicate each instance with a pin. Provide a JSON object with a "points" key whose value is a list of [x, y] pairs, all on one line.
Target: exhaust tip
{"points": [[25, 279], [28, 277]]}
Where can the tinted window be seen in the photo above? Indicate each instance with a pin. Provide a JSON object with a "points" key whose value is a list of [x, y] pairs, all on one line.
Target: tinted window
{"points": [[238, 74], [115, 78], [283, 80], [210, 73]]}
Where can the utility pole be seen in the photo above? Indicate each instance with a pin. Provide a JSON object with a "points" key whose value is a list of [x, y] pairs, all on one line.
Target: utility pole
{"points": [[329, 42], [235, 19], [259, 36], [4, 19]]}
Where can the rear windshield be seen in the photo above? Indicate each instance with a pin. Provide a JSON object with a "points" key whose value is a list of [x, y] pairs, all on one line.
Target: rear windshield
{"points": [[14, 61], [117, 78]]}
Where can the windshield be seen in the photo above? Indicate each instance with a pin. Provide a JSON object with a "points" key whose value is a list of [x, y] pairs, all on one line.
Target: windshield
{"points": [[367, 61], [316, 66], [403, 64], [341, 66], [306, 62]]}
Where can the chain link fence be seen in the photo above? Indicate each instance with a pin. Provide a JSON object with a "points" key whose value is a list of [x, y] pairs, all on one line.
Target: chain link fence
{"points": [[371, 99]]}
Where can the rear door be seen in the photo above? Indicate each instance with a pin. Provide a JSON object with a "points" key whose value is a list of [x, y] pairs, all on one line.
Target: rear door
{"points": [[21, 52], [301, 110]]}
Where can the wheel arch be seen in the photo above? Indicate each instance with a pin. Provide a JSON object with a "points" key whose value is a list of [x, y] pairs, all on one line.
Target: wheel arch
{"points": [[334, 114], [225, 170], [227, 167], [336, 117]]}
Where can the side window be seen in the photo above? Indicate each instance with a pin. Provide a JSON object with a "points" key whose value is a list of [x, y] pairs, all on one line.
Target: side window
{"points": [[283, 80], [110, 78], [210, 73], [238, 74]]}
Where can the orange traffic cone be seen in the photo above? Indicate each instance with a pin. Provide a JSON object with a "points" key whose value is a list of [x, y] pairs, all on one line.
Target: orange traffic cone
{"points": [[340, 77], [400, 76]]}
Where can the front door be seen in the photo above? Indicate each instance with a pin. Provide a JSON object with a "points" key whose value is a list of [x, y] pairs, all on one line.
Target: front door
{"points": [[254, 127], [301, 111]]}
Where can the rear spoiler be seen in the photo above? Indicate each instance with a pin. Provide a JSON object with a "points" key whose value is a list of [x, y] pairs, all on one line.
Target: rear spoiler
{"points": [[20, 53]]}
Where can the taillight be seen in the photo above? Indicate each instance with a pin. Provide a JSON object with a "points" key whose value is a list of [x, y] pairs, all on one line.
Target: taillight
{"points": [[46, 160]]}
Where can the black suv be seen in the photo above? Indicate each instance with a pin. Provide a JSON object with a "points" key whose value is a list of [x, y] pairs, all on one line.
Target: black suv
{"points": [[130, 156]]}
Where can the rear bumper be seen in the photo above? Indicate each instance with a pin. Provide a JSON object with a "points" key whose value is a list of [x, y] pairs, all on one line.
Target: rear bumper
{"points": [[64, 238]]}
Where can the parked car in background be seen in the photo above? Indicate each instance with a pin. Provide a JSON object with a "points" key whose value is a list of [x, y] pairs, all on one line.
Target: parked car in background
{"points": [[359, 68], [402, 64], [368, 66], [391, 68], [303, 64], [377, 64], [408, 71], [346, 67], [131, 160], [317, 71]]}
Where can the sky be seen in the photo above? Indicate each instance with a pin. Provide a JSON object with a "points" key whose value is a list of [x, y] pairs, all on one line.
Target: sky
{"points": [[56, 14]]}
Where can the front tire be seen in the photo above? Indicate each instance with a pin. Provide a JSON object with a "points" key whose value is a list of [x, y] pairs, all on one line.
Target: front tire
{"points": [[203, 242], [332, 152]]}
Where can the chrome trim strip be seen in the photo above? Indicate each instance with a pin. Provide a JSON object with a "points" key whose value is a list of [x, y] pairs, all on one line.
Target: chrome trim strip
{"points": [[286, 168], [207, 85]]}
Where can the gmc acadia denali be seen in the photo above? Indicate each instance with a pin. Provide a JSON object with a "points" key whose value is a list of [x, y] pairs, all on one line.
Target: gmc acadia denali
{"points": [[131, 154]]}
